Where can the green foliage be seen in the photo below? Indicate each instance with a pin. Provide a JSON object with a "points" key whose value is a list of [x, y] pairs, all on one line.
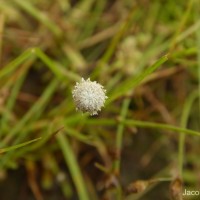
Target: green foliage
{"points": [[147, 56]]}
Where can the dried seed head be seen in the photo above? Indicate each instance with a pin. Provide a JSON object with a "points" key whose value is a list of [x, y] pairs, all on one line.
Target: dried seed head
{"points": [[89, 96]]}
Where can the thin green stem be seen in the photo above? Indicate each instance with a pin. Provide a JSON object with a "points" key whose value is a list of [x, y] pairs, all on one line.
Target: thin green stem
{"points": [[143, 124], [119, 137], [73, 167], [184, 120], [132, 82], [11, 148], [119, 141]]}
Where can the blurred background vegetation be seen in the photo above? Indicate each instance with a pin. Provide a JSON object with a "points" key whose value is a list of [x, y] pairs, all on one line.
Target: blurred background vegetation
{"points": [[138, 147]]}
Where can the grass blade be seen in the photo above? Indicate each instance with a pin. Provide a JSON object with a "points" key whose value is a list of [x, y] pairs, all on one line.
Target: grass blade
{"points": [[73, 167], [18, 145], [133, 82]]}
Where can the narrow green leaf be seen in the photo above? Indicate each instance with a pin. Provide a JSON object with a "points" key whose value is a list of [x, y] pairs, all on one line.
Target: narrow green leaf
{"points": [[144, 124], [73, 167], [18, 145], [132, 82]]}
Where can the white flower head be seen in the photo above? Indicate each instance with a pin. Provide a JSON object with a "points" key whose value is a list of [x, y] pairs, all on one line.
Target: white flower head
{"points": [[89, 96]]}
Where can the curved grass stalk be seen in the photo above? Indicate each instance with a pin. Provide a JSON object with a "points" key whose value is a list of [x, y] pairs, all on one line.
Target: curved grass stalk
{"points": [[143, 124], [11, 148], [132, 82], [73, 167], [184, 120]]}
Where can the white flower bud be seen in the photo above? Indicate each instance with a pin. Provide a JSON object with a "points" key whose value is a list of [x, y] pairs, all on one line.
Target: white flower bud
{"points": [[89, 96]]}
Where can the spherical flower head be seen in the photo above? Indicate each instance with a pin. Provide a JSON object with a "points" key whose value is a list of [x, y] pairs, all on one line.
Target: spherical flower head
{"points": [[89, 96]]}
